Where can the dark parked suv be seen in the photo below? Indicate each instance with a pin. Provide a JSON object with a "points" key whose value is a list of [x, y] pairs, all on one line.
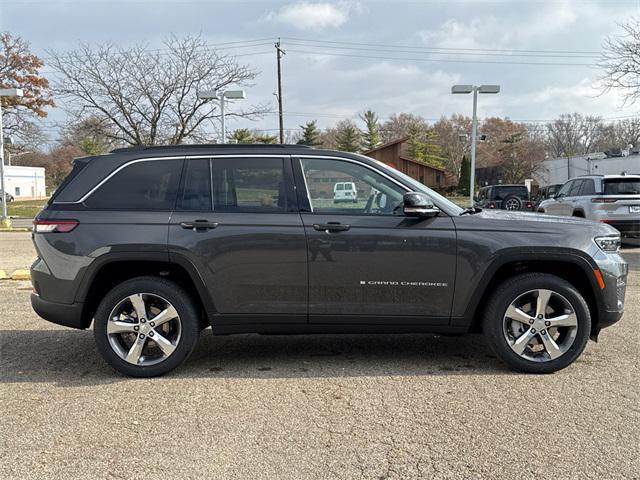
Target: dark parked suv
{"points": [[155, 244], [504, 197]]}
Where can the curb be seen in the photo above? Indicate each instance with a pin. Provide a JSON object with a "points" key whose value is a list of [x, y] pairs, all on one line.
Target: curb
{"points": [[17, 229], [20, 274]]}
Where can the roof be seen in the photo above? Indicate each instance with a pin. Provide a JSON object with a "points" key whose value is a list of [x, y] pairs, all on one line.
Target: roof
{"points": [[411, 160], [388, 144]]}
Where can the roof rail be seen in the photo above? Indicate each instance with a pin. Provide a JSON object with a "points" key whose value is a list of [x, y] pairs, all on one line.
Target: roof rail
{"points": [[207, 145]]}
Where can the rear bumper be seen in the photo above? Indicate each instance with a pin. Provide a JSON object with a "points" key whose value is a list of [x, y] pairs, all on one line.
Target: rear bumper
{"points": [[68, 315]]}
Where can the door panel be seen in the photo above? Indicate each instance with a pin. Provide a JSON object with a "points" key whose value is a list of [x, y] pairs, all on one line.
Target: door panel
{"points": [[251, 249], [381, 267]]}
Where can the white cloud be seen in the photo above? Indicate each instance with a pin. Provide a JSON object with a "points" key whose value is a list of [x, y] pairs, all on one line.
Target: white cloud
{"points": [[312, 15]]}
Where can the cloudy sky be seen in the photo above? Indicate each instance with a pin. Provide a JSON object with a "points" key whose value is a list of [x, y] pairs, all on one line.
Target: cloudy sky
{"points": [[344, 57]]}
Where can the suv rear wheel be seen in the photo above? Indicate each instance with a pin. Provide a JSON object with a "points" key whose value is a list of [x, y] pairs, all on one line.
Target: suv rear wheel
{"points": [[537, 323], [146, 327], [512, 203]]}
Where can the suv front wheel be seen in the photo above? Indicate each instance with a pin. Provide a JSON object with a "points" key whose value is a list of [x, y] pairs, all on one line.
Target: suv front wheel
{"points": [[146, 327], [537, 323]]}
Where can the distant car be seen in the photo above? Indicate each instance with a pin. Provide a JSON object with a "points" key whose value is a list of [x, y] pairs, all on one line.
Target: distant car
{"points": [[543, 193], [345, 192], [504, 197], [6, 196], [611, 199]]}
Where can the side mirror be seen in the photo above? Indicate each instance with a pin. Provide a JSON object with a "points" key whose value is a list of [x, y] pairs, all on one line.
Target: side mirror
{"points": [[417, 204]]}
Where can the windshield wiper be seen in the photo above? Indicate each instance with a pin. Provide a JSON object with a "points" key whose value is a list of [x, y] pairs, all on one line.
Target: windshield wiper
{"points": [[470, 211]]}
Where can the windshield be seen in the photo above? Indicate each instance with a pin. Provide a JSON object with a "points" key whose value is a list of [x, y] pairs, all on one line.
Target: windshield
{"points": [[419, 187], [622, 186]]}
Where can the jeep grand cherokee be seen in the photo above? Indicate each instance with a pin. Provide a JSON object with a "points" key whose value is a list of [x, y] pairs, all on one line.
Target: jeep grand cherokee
{"points": [[154, 244]]}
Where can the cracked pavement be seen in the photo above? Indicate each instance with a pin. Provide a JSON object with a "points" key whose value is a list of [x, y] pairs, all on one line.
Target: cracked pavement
{"points": [[315, 407]]}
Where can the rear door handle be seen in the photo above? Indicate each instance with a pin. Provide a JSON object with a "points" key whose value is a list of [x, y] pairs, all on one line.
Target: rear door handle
{"points": [[331, 227], [199, 225]]}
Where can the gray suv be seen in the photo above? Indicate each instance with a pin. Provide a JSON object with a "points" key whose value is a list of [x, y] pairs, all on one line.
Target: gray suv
{"points": [[152, 245], [611, 199]]}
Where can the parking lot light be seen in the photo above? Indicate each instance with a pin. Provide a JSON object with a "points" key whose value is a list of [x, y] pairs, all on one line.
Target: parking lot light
{"points": [[465, 89], [215, 94]]}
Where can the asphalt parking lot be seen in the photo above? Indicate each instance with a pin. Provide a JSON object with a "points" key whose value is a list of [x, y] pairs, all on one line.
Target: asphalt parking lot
{"points": [[343, 406]]}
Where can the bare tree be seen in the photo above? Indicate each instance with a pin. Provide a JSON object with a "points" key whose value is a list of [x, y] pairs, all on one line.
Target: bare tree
{"points": [[573, 134], [148, 96], [621, 62], [398, 126], [454, 137]]}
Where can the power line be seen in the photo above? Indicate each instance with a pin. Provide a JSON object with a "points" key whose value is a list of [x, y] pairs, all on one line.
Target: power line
{"points": [[581, 52], [443, 60]]}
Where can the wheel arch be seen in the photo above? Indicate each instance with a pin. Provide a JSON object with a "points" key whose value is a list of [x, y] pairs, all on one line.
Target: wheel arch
{"points": [[117, 268], [569, 265]]}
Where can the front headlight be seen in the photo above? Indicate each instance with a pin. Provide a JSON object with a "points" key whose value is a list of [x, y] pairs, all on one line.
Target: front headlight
{"points": [[608, 244]]}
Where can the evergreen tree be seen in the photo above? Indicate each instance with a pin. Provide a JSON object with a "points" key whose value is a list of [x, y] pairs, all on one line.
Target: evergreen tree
{"points": [[371, 134], [264, 138], [241, 135], [348, 138], [465, 176], [310, 134]]}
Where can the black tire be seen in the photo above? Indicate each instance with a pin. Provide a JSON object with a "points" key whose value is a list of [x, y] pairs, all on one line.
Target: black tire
{"points": [[512, 289], [174, 294]]}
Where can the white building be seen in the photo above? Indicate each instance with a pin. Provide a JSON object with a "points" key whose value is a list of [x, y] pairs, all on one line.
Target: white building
{"points": [[559, 170], [24, 183]]}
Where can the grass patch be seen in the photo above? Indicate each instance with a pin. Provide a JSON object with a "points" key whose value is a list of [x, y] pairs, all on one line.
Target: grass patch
{"points": [[25, 208], [460, 201]]}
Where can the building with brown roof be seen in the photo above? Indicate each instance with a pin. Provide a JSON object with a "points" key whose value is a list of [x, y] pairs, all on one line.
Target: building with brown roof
{"points": [[394, 154]]}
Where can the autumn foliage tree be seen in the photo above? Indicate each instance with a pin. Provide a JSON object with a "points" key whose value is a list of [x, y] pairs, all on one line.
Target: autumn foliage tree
{"points": [[20, 68]]}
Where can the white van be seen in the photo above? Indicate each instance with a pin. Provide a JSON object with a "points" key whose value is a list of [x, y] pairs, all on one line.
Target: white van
{"points": [[345, 192]]}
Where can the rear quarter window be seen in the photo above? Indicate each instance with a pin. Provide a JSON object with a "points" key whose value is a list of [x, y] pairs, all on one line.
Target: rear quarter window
{"points": [[144, 185]]}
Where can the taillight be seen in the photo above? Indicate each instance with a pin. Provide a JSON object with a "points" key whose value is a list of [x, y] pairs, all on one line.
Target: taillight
{"points": [[492, 205], [529, 205], [54, 226], [603, 200]]}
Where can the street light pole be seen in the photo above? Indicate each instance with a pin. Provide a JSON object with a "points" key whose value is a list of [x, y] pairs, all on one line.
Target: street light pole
{"points": [[214, 94], [5, 92], [474, 135], [464, 89]]}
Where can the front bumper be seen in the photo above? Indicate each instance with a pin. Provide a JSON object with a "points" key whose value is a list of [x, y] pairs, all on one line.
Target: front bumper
{"points": [[68, 315]]}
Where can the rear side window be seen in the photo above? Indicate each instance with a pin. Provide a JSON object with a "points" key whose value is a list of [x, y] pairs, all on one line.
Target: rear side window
{"points": [[146, 185], [248, 185], [196, 186], [77, 168], [588, 187], [622, 186]]}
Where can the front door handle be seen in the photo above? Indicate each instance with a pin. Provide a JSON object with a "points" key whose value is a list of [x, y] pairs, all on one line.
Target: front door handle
{"points": [[331, 227], [199, 225]]}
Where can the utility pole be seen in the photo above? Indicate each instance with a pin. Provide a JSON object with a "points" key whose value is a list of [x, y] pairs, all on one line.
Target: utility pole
{"points": [[279, 54]]}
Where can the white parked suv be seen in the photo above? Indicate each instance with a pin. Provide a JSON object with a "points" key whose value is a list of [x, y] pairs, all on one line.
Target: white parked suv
{"points": [[345, 192], [611, 199]]}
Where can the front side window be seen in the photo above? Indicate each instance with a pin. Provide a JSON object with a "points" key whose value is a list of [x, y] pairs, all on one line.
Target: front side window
{"points": [[249, 185], [364, 192], [144, 185], [564, 191]]}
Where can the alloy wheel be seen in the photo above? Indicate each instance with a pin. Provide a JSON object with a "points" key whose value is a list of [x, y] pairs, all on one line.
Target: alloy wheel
{"points": [[144, 329], [540, 325]]}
